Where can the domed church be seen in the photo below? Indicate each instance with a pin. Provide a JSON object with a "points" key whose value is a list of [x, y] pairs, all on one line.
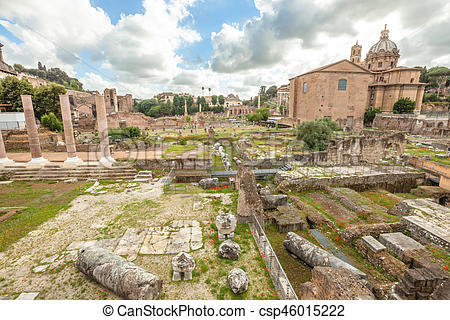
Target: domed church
{"points": [[343, 90]]}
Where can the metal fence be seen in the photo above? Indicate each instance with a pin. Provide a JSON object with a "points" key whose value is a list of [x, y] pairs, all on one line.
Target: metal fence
{"points": [[276, 272]]}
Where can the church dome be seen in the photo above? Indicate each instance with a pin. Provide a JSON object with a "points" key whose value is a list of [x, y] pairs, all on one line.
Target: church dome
{"points": [[384, 43]]}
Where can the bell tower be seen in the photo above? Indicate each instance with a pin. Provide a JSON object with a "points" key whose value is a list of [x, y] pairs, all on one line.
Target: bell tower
{"points": [[355, 55]]}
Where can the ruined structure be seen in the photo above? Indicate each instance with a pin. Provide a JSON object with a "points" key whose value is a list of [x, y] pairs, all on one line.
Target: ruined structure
{"points": [[334, 284], [105, 153], [249, 202], [3, 157], [72, 157], [33, 138], [414, 124], [117, 274]]}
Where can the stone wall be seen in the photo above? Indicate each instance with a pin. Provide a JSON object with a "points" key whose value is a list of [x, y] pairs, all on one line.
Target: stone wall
{"points": [[177, 164], [17, 140], [414, 124], [436, 107], [126, 119], [393, 182], [334, 284]]}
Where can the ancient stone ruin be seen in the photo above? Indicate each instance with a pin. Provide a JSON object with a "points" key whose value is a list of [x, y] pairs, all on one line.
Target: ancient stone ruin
{"points": [[238, 280], [229, 250], [226, 224], [183, 264], [118, 275], [249, 201]]}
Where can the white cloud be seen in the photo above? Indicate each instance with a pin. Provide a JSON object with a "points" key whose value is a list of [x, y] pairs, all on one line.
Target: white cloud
{"points": [[288, 37]]}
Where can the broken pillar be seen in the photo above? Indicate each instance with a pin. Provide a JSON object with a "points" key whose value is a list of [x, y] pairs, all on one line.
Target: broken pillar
{"points": [[72, 158], [4, 161], [124, 278], [33, 137], [102, 124], [314, 256]]}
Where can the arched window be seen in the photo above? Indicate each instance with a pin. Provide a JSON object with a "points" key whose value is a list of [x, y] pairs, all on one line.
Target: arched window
{"points": [[305, 87], [342, 84]]}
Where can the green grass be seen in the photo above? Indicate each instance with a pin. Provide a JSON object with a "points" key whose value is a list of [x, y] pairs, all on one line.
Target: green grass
{"points": [[421, 151], [380, 198], [39, 210], [296, 270], [178, 149]]}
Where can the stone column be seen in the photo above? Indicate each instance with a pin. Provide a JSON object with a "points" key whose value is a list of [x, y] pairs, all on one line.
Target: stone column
{"points": [[185, 108], [102, 126], [3, 157], [33, 137], [72, 158]]}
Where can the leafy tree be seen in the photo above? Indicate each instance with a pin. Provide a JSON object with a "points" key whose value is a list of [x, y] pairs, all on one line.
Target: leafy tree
{"points": [[155, 112], [18, 67], [221, 100], [214, 100], [432, 97], [218, 109], [370, 114], [51, 122], [272, 92], [190, 101], [440, 75], [144, 106], [261, 114], [46, 100], [316, 134], [10, 90], [254, 117], [404, 105], [132, 132], [265, 113]]}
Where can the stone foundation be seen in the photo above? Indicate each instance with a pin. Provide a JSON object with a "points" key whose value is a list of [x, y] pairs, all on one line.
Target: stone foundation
{"points": [[334, 284]]}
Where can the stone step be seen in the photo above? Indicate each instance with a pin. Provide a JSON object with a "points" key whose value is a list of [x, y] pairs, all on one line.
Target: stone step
{"points": [[74, 171]]}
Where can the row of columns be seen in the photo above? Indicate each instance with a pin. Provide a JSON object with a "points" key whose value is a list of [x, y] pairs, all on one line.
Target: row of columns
{"points": [[72, 159]]}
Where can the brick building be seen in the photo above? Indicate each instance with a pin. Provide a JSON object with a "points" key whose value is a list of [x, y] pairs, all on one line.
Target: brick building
{"points": [[345, 89]]}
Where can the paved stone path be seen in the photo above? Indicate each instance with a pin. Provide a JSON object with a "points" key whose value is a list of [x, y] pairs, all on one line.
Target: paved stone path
{"points": [[179, 236]]}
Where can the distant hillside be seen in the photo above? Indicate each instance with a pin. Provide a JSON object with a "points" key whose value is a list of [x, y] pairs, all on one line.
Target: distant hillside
{"points": [[53, 75]]}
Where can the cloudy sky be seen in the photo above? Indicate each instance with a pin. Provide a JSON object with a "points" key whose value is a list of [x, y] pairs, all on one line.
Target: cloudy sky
{"points": [[232, 46]]}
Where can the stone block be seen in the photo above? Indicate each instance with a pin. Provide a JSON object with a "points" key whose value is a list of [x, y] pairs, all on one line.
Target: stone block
{"points": [[28, 296], [397, 243], [373, 244], [334, 284], [442, 292], [414, 277]]}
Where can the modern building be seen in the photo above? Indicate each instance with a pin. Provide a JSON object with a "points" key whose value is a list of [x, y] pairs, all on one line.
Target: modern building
{"points": [[12, 120], [343, 90]]}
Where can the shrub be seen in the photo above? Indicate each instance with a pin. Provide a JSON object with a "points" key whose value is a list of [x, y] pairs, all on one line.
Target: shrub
{"points": [[127, 132], [183, 142], [404, 105], [370, 114], [316, 134], [51, 122]]}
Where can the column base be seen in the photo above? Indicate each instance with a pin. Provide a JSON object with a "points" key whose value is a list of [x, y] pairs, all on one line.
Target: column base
{"points": [[73, 162], [37, 162], [6, 161], [107, 161]]}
